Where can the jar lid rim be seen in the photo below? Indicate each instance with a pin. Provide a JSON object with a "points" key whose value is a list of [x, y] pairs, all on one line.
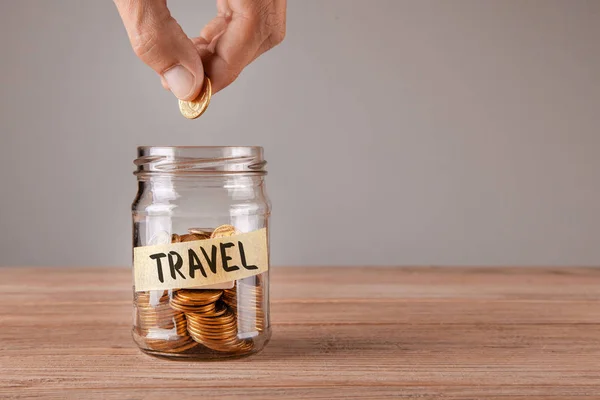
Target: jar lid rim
{"points": [[256, 148], [187, 160]]}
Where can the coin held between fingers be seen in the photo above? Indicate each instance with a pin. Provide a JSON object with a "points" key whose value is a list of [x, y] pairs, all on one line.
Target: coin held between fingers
{"points": [[195, 108]]}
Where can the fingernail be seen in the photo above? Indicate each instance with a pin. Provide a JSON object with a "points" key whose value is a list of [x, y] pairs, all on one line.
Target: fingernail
{"points": [[180, 81]]}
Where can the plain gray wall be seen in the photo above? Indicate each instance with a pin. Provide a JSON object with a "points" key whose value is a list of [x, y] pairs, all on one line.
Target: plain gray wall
{"points": [[397, 132]]}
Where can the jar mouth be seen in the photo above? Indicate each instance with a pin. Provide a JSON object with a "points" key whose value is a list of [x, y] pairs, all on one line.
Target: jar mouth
{"points": [[200, 160]]}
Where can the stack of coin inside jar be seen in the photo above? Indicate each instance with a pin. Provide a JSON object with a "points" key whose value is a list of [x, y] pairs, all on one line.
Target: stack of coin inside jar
{"points": [[183, 321]]}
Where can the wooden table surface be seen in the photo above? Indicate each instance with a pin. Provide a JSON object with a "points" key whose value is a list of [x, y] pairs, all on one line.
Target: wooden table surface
{"points": [[337, 333]]}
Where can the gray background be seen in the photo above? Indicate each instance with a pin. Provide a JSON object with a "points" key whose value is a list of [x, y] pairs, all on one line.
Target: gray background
{"points": [[397, 132]]}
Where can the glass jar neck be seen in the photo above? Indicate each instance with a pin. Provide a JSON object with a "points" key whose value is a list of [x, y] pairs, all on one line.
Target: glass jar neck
{"points": [[182, 162]]}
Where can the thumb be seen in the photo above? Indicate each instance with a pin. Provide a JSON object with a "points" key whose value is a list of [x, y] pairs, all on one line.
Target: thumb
{"points": [[158, 40]]}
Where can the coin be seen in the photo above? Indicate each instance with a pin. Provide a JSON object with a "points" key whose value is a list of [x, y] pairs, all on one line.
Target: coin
{"points": [[223, 231], [175, 346], [198, 297], [201, 231], [192, 237], [214, 330], [195, 108], [208, 308], [216, 333], [226, 319], [247, 302]]}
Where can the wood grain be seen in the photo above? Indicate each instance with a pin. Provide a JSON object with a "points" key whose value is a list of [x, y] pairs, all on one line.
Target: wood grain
{"points": [[452, 333]]}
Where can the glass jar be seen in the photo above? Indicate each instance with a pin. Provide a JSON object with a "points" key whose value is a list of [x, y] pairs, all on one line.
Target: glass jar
{"points": [[200, 238]]}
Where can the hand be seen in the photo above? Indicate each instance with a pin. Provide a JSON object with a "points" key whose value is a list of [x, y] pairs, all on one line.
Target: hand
{"points": [[241, 31]]}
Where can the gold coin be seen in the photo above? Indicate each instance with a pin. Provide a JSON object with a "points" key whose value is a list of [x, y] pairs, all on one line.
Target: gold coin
{"points": [[215, 343], [175, 346], [208, 308], [229, 347], [156, 320], [179, 317], [211, 324], [192, 237], [220, 309], [195, 108], [162, 309], [197, 297], [157, 317], [149, 324], [201, 231], [207, 317], [215, 332], [198, 320], [181, 328], [223, 231], [218, 333], [208, 323], [229, 344]]}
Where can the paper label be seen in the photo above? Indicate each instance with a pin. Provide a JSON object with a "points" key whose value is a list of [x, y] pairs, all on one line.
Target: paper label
{"points": [[201, 262]]}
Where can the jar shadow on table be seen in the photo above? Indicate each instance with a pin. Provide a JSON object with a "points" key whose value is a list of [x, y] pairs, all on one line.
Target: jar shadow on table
{"points": [[327, 341]]}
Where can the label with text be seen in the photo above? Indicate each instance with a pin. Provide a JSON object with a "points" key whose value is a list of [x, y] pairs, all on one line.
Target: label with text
{"points": [[200, 263]]}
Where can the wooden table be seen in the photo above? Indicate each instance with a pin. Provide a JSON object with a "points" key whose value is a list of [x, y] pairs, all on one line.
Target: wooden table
{"points": [[338, 333]]}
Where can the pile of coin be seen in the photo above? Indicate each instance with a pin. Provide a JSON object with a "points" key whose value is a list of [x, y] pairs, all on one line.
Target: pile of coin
{"points": [[218, 331], [158, 323], [154, 314], [195, 234], [247, 302], [177, 345], [189, 319], [195, 301]]}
